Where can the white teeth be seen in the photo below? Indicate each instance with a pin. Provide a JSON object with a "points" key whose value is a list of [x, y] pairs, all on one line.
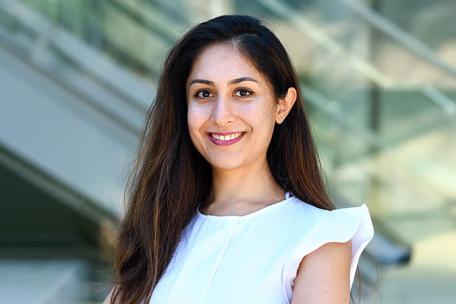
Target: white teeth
{"points": [[226, 137]]}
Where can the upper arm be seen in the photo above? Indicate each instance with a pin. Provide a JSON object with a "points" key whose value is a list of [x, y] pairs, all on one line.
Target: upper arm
{"points": [[324, 275]]}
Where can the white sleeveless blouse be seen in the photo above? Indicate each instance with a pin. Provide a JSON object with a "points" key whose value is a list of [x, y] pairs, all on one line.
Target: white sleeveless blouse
{"points": [[254, 258]]}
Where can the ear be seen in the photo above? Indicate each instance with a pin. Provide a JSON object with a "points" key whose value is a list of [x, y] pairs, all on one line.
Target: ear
{"points": [[285, 104]]}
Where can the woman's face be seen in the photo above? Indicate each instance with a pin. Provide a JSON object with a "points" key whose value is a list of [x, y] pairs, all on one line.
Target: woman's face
{"points": [[231, 109]]}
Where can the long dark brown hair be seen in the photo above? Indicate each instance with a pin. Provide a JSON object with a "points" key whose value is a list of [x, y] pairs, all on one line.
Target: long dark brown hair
{"points": [[170, 178]]}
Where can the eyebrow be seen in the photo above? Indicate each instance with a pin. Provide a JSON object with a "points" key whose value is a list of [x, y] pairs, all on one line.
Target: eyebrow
{"points": [[231, 82]]}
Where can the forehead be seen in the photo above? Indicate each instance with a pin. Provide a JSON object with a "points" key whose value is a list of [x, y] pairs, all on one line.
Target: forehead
{"points": [[222, 62]]}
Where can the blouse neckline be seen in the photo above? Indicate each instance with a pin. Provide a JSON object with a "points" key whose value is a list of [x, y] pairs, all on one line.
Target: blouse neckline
{"points": [[288, 197]]}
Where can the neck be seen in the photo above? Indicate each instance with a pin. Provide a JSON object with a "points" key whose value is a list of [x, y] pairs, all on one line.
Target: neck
{"points": [[245, 186]]}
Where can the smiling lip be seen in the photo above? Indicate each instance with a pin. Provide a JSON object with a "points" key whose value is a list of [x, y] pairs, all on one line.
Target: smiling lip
{"points": [[225, 133], [225, 142]]}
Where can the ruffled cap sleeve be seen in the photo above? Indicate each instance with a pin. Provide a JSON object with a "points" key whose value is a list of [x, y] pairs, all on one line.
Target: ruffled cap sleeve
{"points": [[338, 225]]}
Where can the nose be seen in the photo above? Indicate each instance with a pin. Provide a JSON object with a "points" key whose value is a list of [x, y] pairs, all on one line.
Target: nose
{"points": [[222, 112]]}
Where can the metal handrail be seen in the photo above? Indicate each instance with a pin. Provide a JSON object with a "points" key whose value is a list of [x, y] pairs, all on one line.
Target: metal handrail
{"points": [[127, 85], [362, 66], [405, 39], [121, 95]]}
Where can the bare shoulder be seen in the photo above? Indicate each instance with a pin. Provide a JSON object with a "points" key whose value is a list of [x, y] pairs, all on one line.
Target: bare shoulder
{"points": [[324, 275]]}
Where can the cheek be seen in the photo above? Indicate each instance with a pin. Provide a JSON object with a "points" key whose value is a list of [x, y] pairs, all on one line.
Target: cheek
{"points": [[195, 119], [262, 120], [259, 116]]}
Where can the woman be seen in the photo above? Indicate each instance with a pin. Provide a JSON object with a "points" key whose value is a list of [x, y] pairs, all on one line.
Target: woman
{"points": [[227, 203]]}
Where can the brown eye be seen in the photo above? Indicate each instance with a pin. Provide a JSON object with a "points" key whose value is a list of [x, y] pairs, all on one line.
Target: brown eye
{"points": [[205, 94], [244, 92]]}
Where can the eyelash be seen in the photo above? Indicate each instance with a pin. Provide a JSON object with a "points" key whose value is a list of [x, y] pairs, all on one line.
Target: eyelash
{"points": [[205, 90]]}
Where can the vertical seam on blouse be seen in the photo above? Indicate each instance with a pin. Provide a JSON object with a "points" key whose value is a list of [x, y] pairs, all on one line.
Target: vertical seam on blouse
{"points": [[218, 262]]}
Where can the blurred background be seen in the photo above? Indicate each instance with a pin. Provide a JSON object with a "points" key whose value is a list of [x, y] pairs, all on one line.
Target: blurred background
{"points": [[77, 77]]}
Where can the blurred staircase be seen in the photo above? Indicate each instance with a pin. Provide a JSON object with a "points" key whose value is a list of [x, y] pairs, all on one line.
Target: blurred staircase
{"points": [[79, 76]]}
